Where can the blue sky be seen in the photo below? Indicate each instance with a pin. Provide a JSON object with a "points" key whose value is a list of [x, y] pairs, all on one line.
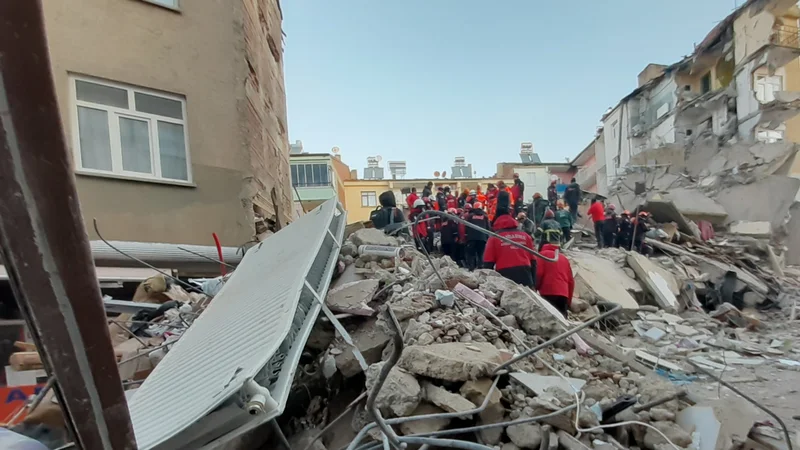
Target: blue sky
{"points": [[428, 80]]}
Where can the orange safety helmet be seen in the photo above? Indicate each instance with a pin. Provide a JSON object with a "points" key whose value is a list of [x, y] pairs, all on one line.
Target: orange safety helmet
{"points": [[477, 205], [626, 213]]}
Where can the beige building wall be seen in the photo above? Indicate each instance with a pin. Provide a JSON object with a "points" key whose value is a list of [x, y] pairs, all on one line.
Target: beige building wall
{"points": [[199, 53]]}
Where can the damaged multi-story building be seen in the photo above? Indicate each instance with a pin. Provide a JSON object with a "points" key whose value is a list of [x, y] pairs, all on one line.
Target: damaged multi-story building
{"points": [[175, 111], [741, 82]]}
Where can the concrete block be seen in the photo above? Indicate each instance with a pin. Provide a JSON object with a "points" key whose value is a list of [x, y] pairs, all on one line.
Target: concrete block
{"points": [[539, 384], [445, 399], [400, 394], [452, 361], [762, 229], [353, 297], [659, 282], [598, 279], [424, 426]]}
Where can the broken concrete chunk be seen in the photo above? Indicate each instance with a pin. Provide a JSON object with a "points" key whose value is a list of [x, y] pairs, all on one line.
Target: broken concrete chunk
{"points": [[659, 282], [598, 279], [476, 391], [400, 394], [671, 430], [352, 298], [424, 426], [452, 361], [654, 334], [370, 339], [761, 229], [539, 384], [445, 399], [527, 435], [372, 236], [532, 317], [412, 305]]}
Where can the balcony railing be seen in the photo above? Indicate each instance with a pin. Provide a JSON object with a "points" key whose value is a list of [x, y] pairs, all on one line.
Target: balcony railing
{"points": [[786, 36]]}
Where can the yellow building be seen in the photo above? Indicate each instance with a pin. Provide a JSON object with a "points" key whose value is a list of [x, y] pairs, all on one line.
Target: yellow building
{"points": [[361, 196]]}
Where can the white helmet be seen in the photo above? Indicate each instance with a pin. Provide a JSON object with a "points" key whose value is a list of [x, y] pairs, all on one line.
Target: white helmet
{"points": [[418, 202], [472, 192]]}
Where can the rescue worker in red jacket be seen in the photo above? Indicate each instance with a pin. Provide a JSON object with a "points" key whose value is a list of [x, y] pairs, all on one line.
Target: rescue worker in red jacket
{"points": [[518, 192], [412, 197], [451, 200], [510, 261], [421, 229], [598, 215], [554, 280], [476, 240]]}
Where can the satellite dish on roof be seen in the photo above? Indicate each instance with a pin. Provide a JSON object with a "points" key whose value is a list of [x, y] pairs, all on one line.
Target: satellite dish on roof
{"points": [[379, 158], [444, 174], [436, 174], [335, 150]]}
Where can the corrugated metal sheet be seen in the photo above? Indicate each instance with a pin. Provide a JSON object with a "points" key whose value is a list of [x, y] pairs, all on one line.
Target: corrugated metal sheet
{"points": [[254, 328]]}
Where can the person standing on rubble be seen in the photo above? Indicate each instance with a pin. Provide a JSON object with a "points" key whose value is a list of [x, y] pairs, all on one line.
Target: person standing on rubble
{"points": [[552, 193], [554, 280], [640, 230], [526, 224], [411, 198], [549, 227], [427, 191], [504, 206], [462, 199], [537, 208], [610, 226], [441, 199], [518, 193], [450, 234], [421, 230], [510, 261], [625, 230], [476, 240], [598, 216], [564, 218], [388, 217], [572, 195], [491, 200], [450, 199]]}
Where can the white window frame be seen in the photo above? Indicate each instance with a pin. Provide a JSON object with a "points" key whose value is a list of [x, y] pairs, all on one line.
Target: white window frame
{"points": [[114, 113], [763, 81], [371, 197]]}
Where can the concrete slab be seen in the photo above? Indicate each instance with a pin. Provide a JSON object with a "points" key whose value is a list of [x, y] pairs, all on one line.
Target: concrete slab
{"points": [[664, 210], [768, 199], [597, 279], [541, 383], [659, 282], [760, 229], [792, 241], [696, 205], [445, 399], [452, 361], [352, 298]]}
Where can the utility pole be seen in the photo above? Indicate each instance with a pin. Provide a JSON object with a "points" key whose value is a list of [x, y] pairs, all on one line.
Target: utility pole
{"points": [[43, 241]]}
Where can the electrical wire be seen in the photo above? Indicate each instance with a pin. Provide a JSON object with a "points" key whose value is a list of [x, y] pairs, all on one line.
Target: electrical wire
{"points": [[207, 257], [97, 230]]}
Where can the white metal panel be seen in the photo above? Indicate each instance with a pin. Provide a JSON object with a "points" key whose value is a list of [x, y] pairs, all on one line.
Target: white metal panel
{"points": [[238, 334]]}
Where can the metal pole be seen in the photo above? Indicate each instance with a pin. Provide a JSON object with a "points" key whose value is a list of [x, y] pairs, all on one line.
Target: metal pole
{"points": [[44, 243]]}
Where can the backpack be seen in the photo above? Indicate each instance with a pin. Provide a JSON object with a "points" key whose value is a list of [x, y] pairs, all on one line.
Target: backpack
{"points": [[383, 219]]}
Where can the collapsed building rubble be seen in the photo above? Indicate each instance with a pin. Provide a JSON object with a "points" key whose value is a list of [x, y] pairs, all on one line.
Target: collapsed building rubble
{"points": [[632, 386]]}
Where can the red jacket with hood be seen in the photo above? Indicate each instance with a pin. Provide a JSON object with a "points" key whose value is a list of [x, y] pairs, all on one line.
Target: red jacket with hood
{"points": [[554, 278], [412, 197], [504, 255]]}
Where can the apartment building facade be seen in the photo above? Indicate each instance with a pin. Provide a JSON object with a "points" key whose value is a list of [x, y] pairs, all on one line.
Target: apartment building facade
{"points": [[317, 177], [176, 115]]}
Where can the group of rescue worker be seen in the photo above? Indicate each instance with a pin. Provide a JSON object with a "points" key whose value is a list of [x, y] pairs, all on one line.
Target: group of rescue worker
{"points": [[499, 210], [626, 230]]}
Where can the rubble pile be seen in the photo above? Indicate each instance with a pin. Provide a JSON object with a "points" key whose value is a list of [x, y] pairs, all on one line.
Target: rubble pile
{"points": [[638, 367]]}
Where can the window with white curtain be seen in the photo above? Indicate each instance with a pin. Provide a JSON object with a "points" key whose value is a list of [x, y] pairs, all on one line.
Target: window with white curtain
{"points": [[129, 131]]}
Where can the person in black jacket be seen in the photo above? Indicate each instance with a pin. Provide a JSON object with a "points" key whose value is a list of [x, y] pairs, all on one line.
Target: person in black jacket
{"points": [[441, 199], [450, 235], [625, 230], [552, 194], [573, 196], [388, 217], [504, 206], [476, 241], [427, 190]]}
